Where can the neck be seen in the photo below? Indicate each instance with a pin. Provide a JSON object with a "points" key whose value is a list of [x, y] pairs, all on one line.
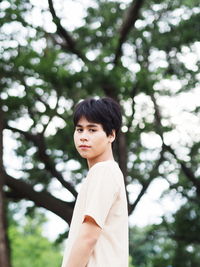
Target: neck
{"points": [[105, 157]]}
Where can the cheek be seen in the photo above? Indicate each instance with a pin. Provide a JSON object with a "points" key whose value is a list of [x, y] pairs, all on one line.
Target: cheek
{"points": [[75, 138], [100, 141]]}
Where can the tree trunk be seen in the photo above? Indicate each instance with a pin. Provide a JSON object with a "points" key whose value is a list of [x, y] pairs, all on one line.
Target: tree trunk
{"points": [[4, 250]]}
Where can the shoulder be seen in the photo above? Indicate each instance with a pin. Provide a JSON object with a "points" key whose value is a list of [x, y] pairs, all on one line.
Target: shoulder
{"points": [[106, 168]]}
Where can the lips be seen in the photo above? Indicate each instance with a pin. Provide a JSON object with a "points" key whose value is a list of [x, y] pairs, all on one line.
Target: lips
{"points": [[84, 146]]}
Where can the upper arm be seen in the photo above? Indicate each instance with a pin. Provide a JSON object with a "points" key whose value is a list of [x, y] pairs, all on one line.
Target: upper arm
{"points": [[90, 229], [101, 193]]}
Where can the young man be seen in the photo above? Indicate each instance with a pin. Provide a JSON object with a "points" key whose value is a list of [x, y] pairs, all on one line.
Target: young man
{"points": [[98, 235]]}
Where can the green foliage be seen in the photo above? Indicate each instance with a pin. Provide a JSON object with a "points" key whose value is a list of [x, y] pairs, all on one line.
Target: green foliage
{"points": [[29, 247], [41, 80], [167, 244], [170, 243], [148, 249]]}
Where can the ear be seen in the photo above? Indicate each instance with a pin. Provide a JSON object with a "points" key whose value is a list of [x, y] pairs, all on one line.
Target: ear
{"points": [[112, 136]]}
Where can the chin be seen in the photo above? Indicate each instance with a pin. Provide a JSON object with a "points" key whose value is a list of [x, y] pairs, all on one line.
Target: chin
{"points": [[83, 155]]}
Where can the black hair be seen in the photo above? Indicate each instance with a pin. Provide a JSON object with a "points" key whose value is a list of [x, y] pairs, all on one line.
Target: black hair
{"points": [[105, 111]]}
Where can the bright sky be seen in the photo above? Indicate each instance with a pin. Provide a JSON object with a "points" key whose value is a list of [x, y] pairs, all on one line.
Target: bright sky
{"points": [[178, 108]]}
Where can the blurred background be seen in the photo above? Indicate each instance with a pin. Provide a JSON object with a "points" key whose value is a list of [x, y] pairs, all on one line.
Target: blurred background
{"points": [[145, 55]]}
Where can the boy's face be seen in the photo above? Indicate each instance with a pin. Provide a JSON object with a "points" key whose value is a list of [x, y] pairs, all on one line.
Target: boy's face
{"points": [[91, 141]]}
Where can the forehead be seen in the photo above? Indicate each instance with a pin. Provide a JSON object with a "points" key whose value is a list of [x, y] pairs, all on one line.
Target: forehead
{"points": [[83, 122]]}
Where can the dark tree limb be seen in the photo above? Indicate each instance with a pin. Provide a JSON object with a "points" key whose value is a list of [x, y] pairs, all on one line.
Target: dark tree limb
{"points": [[152, 175], [38, 141], [186, 238], [29, 108], [128, 22], [122, 158], [50, 116], [4, 243], [185, 169], [41, 199], [14, 195], [134, 92], [71, 44], [54, 111]]}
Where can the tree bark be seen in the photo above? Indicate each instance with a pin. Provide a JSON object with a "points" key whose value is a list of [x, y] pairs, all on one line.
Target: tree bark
{"points": [[189, 174], [128, 23], [39, 142], [4, 248], [70, 42], [41, 199]]}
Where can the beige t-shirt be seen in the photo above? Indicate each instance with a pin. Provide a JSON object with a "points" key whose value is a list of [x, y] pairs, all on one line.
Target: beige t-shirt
{"points": [[102, 196]]}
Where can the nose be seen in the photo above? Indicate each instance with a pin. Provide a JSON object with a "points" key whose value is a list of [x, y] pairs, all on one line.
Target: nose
{"points": [[84, 136]]}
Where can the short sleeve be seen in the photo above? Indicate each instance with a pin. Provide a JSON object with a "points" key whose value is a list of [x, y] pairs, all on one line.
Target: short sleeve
{"points": [[101, 193]]}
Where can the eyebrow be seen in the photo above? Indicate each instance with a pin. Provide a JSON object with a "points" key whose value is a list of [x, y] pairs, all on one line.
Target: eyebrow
{"points": [[88, 125]]}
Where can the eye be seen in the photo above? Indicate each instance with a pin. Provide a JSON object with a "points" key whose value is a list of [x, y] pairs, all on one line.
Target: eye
{"points": [[79, 130], [92, 130]]}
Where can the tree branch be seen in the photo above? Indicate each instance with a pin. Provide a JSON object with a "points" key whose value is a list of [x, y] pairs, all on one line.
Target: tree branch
{"points": [[186, 170], [147, 183], [128, 22], [38, 141], [192, 239], [41, 199], [71, 44], [4, 242], [134, 92]]}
